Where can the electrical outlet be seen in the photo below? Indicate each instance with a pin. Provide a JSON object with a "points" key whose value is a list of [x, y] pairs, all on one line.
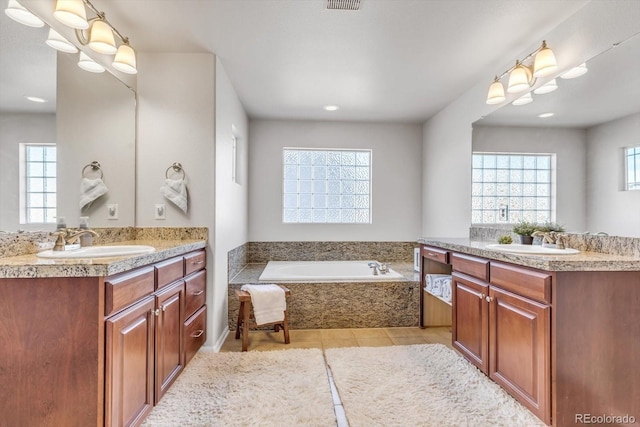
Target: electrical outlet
{"points": [[112, 211], [160, 211]]}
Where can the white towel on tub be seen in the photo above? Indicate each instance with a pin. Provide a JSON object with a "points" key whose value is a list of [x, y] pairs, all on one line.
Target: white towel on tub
{"points": [[269, 302]]}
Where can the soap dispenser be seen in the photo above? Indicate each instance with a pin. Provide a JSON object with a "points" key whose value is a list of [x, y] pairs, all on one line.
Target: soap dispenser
{"points": [[85, 239]]}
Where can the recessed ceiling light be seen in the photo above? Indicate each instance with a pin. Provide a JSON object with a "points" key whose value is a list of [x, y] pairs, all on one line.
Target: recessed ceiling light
{"points": [[331, 107], [545, 115], [35, 99]]}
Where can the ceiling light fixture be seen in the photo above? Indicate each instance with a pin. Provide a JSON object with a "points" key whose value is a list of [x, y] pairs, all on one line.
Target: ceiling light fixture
{"points": [[548, 87], [331, 107], [545, 115], [523, 100], [522, 76], [36, 99], [56, 41], [578, 71], [97, 33], [20, 14]]}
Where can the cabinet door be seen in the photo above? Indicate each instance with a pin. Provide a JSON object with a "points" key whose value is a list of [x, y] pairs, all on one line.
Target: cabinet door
{"points": [[169, 336], [470, 325], [520, 349], [129, 365]]}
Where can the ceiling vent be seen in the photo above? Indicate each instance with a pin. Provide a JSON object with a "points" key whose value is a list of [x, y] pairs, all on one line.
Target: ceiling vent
{"points": [[343, 4]]}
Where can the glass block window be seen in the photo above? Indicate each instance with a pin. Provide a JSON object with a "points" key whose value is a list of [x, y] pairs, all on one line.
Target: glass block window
{"points": [[632, 161], [326, 186], [509, 187], [38, 186]]}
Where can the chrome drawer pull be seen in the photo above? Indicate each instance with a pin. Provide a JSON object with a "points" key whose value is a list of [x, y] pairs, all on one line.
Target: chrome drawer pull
{"points": [[195, 294], [489, 299], [197, 262], [198, 333], [431, 254]]}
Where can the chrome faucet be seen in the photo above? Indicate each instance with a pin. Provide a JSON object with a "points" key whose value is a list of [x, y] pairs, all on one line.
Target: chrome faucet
{"points": [[67, 236], [377, 267], [552, 238]]}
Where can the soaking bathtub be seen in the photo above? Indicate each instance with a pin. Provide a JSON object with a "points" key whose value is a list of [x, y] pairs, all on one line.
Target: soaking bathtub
{"points": [[323, 271]]}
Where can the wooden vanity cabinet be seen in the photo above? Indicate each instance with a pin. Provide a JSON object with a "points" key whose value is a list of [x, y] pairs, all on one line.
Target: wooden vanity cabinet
{"points": [[501, 324], [434, 311]]}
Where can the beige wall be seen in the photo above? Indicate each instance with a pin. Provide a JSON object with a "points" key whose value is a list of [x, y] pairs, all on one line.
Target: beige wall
{"points": [[396, 186]]}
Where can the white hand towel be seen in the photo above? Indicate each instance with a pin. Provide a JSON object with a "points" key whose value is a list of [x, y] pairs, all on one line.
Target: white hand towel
{"points": [[175, 190], [446, 289], [430, 279], [269, 302], [90, 190]]}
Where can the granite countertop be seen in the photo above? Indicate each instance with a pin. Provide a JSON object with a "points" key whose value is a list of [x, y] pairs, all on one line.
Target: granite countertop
{"points": [[30, 266], [583, 261], [251, 273]]}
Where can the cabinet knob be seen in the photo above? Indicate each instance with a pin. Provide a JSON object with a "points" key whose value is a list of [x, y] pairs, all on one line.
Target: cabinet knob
{"points": [[156, 312], [195, 294], [198, 333], [163, 307], [481, 296], [489, 299]]}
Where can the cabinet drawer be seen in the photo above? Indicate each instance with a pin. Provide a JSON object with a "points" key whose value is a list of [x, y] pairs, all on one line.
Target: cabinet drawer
{"points": [[124, 289], [169, 271], [195, 261], [195, 333], [473, 266], [196, 292], [533, 284], [435, 254]]}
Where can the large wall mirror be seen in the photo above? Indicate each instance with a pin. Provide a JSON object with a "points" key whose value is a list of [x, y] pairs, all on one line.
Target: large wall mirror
{"points": [[596, 117], [88, 116]]}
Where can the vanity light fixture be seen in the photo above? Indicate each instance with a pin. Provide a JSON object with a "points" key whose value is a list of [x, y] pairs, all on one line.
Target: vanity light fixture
{"points": [[523, 76], [56, 41], [523, 100], [86, 63], [71, 13], [548, 87], [97, 33], [578, 71], [20, 14]]}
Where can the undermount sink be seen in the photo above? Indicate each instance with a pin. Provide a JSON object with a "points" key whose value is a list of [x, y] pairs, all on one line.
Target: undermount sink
{"points": [[98, 252], [532, 249]]}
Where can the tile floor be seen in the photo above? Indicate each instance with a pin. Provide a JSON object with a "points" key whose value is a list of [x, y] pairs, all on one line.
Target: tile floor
{"points": [[331, 338]]}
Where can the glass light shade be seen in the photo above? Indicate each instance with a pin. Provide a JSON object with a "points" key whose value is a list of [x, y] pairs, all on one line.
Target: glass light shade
{"points": [[125, 59], [519, 79], [524, 99], [56, 41], [578, 71], [20, 14], [71, 13], [548, 87], [88, 64], [544, 63], [496, 93], [101, 38]]}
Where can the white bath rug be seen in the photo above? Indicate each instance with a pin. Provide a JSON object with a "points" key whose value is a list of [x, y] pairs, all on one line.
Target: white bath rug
{"points": [[261, 388], [420, 385]]}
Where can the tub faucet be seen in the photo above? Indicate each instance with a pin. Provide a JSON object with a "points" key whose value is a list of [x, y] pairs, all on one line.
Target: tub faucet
{"points": [[377, 267], [67, 236]]}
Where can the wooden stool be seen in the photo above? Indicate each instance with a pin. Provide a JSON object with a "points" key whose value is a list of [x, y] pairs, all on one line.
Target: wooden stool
{"points": [[244, 321]]}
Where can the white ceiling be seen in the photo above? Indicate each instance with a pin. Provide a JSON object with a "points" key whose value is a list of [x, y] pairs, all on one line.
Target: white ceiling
{"points": [[394, 60]]}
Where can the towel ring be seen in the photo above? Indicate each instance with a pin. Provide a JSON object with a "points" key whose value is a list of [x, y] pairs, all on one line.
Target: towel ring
{"points": [[94, 166], [177, 168]]}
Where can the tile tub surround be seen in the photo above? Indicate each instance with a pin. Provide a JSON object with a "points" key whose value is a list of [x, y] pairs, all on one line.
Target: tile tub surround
{"points": [[614, 245], [348, 304], [262, 252], [584, 261], [24, 243]]}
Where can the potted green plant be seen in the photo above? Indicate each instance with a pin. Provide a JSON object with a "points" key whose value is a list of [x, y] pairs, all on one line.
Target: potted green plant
{"points": [[550, 226], [524, 229]]}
